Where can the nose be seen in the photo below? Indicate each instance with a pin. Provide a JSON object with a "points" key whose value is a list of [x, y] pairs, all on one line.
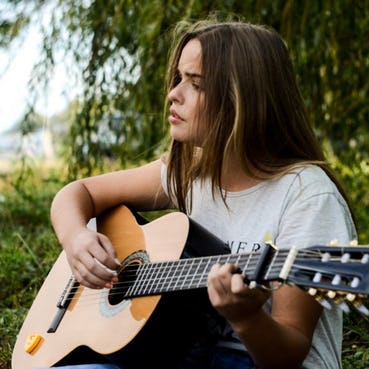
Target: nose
{"points": [[175, 94]]}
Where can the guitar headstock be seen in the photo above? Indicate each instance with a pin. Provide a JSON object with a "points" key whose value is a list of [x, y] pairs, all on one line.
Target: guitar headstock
{"points": [[334, 273]]}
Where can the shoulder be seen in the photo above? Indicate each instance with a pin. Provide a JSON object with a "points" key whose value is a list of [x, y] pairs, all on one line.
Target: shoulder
{"points": [[310, 181], [307, 188], [300, 184], [313, 201], [311, 185]]}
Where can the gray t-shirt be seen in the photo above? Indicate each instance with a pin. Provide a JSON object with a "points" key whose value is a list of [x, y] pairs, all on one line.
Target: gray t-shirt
{"points": [[303, 208]]}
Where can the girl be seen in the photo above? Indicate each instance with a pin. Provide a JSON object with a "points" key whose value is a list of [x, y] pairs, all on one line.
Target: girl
{"points": [[244, 163]]}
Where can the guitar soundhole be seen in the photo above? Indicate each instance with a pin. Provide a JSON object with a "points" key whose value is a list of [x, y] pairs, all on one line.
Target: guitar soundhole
{"points": [[121, 290]]}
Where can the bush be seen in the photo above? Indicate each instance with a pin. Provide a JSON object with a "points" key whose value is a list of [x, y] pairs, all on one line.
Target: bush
{"points": [[28, 248]]}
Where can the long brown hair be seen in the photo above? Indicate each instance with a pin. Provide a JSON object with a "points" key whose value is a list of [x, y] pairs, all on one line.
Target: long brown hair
{"points": [[253, 107]]}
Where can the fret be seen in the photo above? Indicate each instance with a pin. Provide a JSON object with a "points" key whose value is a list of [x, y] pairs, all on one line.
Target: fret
{"points": [[234, 259], [132, 290], [248, 270], [194, 270], [162, 277], [140, 279], [167, 282], [163, 280], [174, 279], [246, 267], [219, 259], [187, 261], [222, 259], [155, 273], [181, 267], [210, 261], [237, 260], [203, 277]]}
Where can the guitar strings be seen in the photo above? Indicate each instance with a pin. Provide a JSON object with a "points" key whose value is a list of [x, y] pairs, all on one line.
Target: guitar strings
{"points": [[167, 266], [130, 274], [196, 279]]}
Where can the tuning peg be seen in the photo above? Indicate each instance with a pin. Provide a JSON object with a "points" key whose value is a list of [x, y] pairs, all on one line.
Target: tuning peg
{"points": [[361, 308], [324, 303], [345, 257], [338, 300], [344, 307], [317, 277], [318, 297], [333, 243], [331, 294], [365, 259], [350, 297], [312, 291], [336, 280], [357, 303], [354, 243]]}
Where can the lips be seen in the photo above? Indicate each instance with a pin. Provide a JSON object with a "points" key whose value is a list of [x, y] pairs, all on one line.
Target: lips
{"points": [[174, 118]]}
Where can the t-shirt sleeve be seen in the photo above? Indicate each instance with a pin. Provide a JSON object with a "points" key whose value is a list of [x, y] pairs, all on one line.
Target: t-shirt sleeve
{"points": [[316, 214], [164, 178]]}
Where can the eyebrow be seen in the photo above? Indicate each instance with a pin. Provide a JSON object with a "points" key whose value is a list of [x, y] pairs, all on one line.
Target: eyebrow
{"points": [[193, 75]]}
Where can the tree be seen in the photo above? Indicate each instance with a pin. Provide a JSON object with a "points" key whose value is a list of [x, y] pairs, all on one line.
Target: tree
{"points": [[118, 49]]}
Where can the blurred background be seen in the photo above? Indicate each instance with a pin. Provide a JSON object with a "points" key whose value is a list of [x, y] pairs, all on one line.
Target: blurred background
{"points": [[82, 92]]}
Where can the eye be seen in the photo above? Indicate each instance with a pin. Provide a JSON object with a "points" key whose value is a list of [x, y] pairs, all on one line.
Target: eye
{"points": [[196, 86], [177, 79]]}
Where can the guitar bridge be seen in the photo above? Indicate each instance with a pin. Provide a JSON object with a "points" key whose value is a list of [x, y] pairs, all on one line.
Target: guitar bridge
{"points": [[63, 303]]}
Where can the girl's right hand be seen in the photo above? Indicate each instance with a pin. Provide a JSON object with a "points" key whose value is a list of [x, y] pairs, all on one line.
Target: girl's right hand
{"points": [[92, 259]]}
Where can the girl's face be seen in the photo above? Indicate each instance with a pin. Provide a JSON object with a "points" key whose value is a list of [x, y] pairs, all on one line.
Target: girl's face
{"points": [[187, 97]]}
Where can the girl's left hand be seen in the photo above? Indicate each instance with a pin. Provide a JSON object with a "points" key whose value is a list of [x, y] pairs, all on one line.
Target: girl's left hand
{"points": [[230, 296]]}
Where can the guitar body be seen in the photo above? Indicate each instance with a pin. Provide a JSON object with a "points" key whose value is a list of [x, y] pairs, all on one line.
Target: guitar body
{"points": [[160, 307], [100, 324]]}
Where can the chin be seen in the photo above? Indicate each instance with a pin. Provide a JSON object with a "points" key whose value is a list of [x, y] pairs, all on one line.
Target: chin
{"points": [[178, 136], [178, 139]]}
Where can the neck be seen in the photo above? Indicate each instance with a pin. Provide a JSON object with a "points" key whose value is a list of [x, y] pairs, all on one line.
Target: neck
{"points": [[235, 179]]}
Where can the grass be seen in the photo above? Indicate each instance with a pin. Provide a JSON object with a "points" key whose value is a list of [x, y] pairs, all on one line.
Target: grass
{"points": [[355, 350], [28, 248]]}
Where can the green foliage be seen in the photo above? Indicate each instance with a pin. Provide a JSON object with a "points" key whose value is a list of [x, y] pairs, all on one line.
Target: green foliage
{"points": [[355, 177], [355, 342], [118, 50], [10, 323], [28, 248]]}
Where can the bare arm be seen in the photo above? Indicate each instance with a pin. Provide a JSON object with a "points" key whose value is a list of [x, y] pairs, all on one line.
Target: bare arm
{"points": [[279, 340], [78, 202]]}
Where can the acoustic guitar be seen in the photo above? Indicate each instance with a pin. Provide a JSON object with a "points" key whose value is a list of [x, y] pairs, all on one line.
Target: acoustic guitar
{"points": [[162, 261]]}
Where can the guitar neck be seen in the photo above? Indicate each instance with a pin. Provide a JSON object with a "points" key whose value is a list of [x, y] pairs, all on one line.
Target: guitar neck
{"points": [[191, 273]]}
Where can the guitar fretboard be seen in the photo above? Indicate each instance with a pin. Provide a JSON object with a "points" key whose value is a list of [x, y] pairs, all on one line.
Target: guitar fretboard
{"points": [[191, 273]]}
